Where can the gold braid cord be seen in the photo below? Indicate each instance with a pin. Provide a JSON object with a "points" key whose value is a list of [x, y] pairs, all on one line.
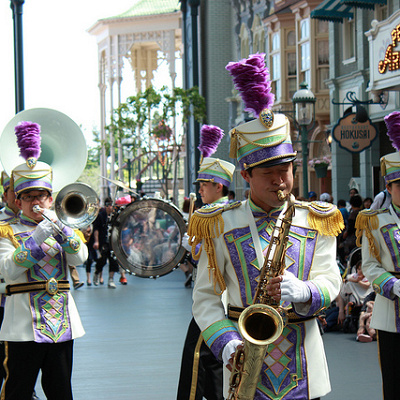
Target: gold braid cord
{"points": [[325, 218], [205, 225], [207, 228], [368, 221], [7, 232]]}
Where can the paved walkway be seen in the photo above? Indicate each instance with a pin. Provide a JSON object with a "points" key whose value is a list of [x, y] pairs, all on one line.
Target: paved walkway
{"points": [[134, 338]]}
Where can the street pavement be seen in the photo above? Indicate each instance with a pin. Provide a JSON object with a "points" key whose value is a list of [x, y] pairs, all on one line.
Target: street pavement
{"points": [[134, 338]]}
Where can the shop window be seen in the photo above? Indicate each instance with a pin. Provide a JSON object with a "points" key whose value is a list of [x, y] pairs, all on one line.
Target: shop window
{"points": [[349, 41]]}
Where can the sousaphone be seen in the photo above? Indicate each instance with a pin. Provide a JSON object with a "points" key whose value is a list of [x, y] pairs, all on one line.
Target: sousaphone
{"points": [[63, 145], [64, 149]]}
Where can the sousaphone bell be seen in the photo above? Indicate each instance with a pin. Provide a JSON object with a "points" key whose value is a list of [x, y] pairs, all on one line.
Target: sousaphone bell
{"points": [[63, 148]]}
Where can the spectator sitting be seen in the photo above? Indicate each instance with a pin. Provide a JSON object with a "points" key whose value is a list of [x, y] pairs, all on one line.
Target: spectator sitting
{"points": [[365, 333], [355, 289]]}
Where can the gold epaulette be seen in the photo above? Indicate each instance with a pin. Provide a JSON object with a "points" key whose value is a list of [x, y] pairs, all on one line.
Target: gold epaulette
{"points": [[367, 221], [325, 218], [7, 232], [207, 224]]}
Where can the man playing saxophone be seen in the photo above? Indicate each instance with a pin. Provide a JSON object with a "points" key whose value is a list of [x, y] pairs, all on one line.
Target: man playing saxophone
{"points": [[235, 239]]}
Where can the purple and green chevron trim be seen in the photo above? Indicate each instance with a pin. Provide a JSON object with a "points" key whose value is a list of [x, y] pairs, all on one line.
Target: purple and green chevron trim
{"points": [[252, 154], [383, 285], [5, 181], [219, 334], [22, 184], [214, 176], [320, 298], [392, 174]]}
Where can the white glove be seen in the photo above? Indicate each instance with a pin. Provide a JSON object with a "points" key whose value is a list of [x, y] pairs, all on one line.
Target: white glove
{"points": [[229, 349], [185, 242], [53, 216], [293, 289], [42, 232], [396, 288]]}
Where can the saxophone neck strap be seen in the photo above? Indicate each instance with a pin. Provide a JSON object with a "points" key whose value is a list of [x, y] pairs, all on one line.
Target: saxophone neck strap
{"points": [[255, 237]]}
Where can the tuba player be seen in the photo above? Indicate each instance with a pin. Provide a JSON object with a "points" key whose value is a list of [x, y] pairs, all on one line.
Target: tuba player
{"points": [[41, 320]]}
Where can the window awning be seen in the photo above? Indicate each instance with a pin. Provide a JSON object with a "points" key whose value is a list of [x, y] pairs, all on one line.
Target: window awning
{"points": [[332, 10], [370, 4]]}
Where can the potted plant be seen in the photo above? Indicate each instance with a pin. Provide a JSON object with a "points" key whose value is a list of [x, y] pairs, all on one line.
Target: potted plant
{"points": [[320, 165]]}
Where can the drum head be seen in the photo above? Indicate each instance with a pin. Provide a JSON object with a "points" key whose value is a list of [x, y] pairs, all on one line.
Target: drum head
{"points": [[146, 237]]}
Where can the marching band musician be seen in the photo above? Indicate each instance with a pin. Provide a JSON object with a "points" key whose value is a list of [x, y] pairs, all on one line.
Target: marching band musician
{"points": [[41, 319], [235, 240], [10, 210], [379, 231], [214, 177]]}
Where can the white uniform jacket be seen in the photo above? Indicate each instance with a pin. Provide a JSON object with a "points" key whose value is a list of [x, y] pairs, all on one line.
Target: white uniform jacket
{"points": [[295, 365], [381, 263], [39, 316]]}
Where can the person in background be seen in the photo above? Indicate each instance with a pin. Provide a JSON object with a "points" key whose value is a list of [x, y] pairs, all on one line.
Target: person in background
{"points": [[231, 195], [10, 210], [101, 243], [234, 242], [349, 235], [381, 200], [201, 373], [87, 232], [341, 204], [352, 192], [326, 197], [378, 233], [41, 320], [312, 196], [367, 202]]}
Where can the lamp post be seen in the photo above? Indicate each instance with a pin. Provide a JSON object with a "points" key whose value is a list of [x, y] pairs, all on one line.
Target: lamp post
{"points": [[16, 7], [304, 111]]}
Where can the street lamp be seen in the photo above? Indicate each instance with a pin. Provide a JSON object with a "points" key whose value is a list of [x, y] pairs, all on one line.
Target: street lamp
{"points": [[304, 111]]}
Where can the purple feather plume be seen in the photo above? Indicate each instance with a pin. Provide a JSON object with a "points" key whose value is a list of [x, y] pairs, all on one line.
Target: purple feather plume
{"points": [[251, 79], [28, 139], [210, 137], [392, 122]]}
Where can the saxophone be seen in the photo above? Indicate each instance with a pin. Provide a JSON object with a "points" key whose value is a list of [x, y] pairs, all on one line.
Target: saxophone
{"points": [[262, 322]]}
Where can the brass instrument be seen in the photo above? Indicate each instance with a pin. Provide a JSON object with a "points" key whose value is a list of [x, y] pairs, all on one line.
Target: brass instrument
{"points": [[262, 322], [63, 147]]}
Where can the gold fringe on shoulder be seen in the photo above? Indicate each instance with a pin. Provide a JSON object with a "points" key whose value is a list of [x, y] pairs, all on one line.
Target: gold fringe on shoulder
{"points": [[7, 232], [207, 228], [330, 225], [367, 222]]}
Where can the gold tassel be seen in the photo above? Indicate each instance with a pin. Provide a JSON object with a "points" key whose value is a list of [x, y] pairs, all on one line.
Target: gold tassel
{"points": [[234, 144], [330, 225], [7, 232], [368, 222], [207, 228]]}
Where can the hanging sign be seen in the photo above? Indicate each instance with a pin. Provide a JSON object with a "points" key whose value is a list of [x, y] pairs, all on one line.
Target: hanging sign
{"points": [[352, 135]]}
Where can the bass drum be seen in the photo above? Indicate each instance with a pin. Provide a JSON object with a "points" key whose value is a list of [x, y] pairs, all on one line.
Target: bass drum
{"points": [[146, 237]]}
